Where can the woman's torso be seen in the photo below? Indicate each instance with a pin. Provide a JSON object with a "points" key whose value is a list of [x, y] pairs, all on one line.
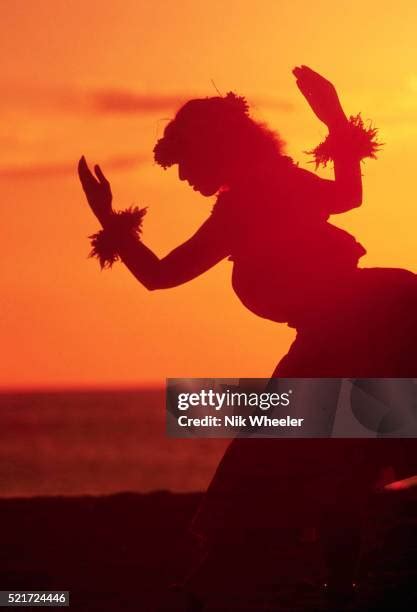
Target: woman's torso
{"points": [[287, 258]]}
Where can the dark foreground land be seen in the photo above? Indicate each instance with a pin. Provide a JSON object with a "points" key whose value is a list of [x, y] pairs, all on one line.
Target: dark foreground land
{"points": [[120, 552]]}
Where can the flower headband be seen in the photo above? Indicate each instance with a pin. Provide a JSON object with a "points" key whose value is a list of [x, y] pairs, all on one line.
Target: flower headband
{"points": [[211, 111]]}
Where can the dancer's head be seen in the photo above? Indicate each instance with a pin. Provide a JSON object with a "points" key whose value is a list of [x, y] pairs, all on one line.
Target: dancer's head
{"points": [[214, 141]]}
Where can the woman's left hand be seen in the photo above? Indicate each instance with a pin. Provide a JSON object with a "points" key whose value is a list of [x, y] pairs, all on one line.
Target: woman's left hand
{"points": [[97, 190], [321, 96]]}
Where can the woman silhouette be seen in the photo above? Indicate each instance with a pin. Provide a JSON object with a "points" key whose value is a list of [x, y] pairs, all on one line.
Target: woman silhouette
{"points": [[289, 265]]}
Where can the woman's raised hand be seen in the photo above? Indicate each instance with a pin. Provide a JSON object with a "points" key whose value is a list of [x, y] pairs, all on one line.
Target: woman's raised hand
{"points": [[97, 190], [321, 96]]}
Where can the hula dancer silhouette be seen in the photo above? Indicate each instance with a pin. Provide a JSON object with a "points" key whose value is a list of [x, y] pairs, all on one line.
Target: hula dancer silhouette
{"points": [[290, 265]]}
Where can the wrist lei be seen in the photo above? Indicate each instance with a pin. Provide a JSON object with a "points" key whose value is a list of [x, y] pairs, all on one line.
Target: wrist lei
{"points": [[355, 140], [123, 224]]}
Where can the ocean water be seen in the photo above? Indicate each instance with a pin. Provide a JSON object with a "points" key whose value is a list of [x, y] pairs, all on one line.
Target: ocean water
{"points": [[96, 442]]}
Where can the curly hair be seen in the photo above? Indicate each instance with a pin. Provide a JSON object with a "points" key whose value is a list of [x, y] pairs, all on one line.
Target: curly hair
{"points": [[222, 124]]}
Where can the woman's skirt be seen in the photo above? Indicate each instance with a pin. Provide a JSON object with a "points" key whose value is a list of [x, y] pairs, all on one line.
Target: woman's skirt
{"points": [[366, 330]]}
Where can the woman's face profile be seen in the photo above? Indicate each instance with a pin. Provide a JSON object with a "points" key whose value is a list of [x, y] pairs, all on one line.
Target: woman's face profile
{"points": [[202, 171]]}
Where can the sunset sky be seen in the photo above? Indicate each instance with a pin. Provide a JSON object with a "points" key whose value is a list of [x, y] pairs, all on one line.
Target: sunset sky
{"points": [[101, 78]]}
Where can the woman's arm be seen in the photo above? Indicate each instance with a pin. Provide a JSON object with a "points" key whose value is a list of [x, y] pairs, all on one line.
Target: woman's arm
{"points": [[194, 257], [347, 185], [345, 192], [203, 250]]}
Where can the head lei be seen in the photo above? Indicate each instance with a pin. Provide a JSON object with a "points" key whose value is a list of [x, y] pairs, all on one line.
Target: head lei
{"points": [[208, 115]]}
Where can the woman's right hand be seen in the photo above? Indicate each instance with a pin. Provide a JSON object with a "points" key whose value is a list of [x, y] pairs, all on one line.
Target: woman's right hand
{"points": [[321, 95], [97, 190]]}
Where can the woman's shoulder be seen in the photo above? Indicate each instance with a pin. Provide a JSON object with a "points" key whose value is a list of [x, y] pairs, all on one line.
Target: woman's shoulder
{"points": [[276, 187], [225, 205], [233, 213], [306, 177]]}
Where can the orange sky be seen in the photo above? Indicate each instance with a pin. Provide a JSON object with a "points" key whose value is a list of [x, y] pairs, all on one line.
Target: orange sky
{"points": [[100, 78]]}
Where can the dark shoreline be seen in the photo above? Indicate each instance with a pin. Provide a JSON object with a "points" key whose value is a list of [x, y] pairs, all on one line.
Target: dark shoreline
{"points": [[96, 547], [119, 552]]}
